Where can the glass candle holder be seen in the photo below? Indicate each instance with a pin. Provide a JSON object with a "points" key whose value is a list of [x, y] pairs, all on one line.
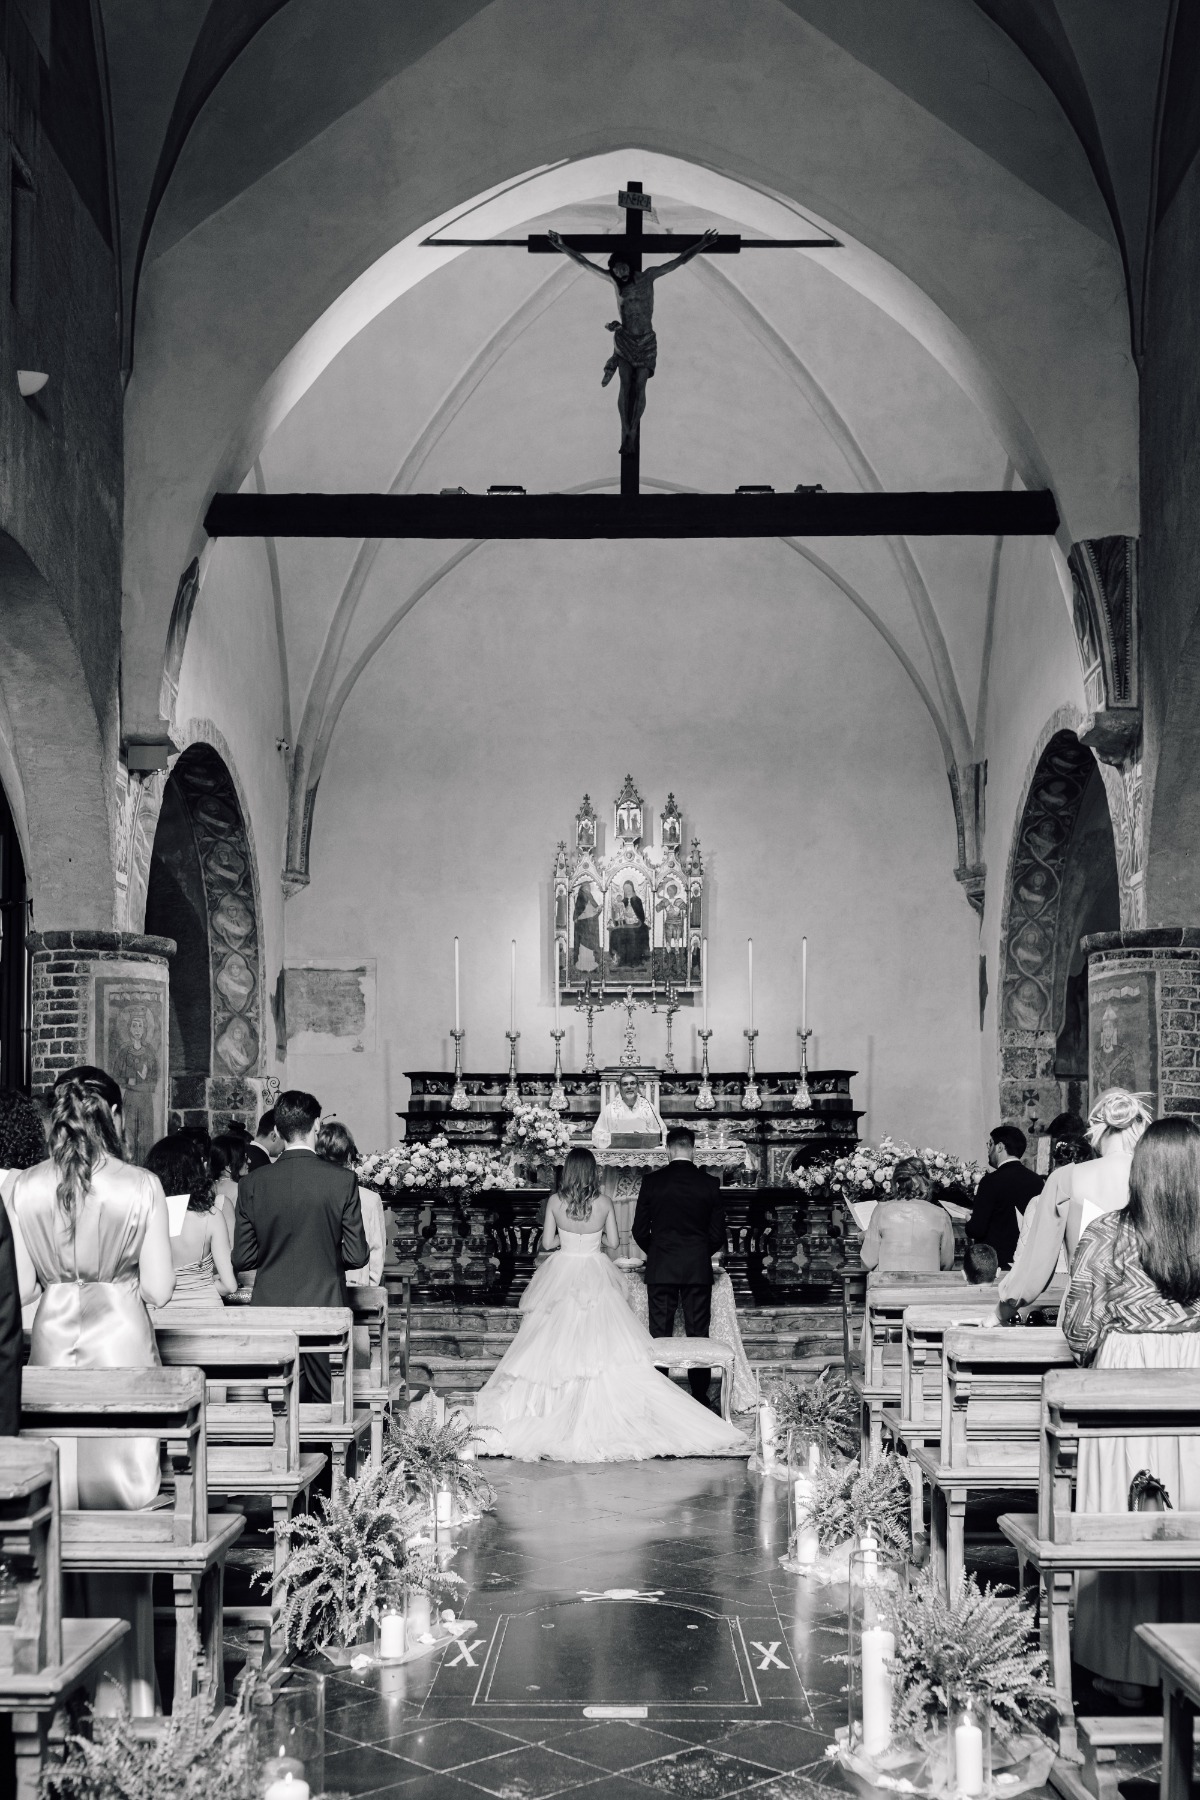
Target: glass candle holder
{"points": [[766, 1434], [443, 1507], [969, 1747], [877, 1579], [289, 1736], [391, 1634], [418, 1617], [803, 1460]]}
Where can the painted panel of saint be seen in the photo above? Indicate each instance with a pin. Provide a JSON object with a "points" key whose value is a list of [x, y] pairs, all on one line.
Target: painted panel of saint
{"points": [[586, 909], [131, 1045]]}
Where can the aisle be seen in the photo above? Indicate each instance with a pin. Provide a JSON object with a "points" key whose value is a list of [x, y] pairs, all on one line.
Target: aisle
{"points": [[705, 1635]]}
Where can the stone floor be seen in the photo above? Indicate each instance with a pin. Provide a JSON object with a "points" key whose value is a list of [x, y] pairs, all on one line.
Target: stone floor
{"points": [[648, 1588]]}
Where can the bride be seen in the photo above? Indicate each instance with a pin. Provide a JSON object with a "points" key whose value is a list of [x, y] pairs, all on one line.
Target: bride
{"points": [[578, 1382]]}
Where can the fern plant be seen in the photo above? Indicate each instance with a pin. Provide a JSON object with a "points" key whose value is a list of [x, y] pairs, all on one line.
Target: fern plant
{"points": [[350, 1562], [197, 1757], [427, 1456], [843, 1502], [980, 1640], [823, 1412]]}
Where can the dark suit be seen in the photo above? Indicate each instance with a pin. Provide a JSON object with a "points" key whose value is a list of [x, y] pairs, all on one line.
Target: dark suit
{"points": [[1000, 1199], [256, 1158], [679, 1223], [300, 1225], [11, 1344]]}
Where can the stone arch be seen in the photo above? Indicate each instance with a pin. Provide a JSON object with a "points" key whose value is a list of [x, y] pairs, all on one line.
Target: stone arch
{"points": [[202, 891], [1062, 880]]}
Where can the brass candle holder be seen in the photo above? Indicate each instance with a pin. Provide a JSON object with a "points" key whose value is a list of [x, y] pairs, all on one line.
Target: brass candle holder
{"points": [[512, 1094], [704, 1096], [459, 1098], [558, 1093], [751, 1099], [802, 1098]]}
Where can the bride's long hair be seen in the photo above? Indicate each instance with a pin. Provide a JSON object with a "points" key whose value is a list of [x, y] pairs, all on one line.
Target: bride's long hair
{"points": [[580, 1184], [82, 1132]]}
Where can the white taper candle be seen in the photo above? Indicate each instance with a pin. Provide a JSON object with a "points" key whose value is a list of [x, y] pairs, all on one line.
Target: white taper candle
{"points": [[750, 976], [804, 984], [457, 1025], [512, 988], [704, 976]]}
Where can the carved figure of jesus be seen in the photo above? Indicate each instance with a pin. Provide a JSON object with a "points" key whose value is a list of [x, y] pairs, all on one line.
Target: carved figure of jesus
{"points": [[635, 346]]}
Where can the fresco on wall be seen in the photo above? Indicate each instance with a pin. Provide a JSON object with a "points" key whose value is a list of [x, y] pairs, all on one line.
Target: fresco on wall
{"points": [[131, 1043], [1123, 1029], [330, 1011]]}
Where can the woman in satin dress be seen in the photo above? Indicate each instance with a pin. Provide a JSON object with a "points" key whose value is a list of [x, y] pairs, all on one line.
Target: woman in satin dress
{"points": [[91, 1234]]}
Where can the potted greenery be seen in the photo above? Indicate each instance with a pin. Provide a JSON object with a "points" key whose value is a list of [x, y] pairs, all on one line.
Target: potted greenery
{"points": [[433, 1458], [824, 1413], [968, 1687], [844, 1503], [348, 1563]]}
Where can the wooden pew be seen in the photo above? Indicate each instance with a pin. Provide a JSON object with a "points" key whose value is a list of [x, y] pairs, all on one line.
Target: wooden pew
{"points": [[1083, 1404], [990, 1427], [338, 1430], [888, 1298], [44, 1658], [186, 1542], [372, 1383], [1176, 1650], [917, 1422]]}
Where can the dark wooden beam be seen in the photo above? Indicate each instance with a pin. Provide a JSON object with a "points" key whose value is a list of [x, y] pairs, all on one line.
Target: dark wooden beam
{"points": [[654, 515], [655, 243]]}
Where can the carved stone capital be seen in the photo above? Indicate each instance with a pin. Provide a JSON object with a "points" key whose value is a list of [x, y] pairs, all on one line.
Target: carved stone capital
{"points": [[1104, 576], [972, 878], [1115, 735], [968, 782]]}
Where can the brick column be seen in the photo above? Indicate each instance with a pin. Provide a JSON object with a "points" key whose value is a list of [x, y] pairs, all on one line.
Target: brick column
{"points": [[1144, 1015], [102, 997]]}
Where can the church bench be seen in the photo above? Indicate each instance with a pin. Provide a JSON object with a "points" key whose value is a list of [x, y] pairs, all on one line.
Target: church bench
{"points": [[182, 1540], [254, 1449], [43, 1657], [336, 1428], [372, 1375], [888, 1298], [1079, 1405], [1176, 1650], [989, 1437]]}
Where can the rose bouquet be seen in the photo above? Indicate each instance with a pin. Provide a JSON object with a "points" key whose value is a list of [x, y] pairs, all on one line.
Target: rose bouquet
{"points": [[435, 1165], [866, 1173], [534, 1134]]}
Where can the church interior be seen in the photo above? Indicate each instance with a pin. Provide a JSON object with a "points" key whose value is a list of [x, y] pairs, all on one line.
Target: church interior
{"points": [[757, 802]]}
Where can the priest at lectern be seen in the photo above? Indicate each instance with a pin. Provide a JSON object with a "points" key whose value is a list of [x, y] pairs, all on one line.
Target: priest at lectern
{"points": [[628, 1122]]}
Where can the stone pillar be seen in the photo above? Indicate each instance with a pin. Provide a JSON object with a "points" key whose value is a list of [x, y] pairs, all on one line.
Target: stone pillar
{"points": [[1144, 1015], [102, 997]]}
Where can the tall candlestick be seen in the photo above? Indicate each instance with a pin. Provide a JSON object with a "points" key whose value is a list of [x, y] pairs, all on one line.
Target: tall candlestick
{"points": [[750, 976], [457, 1020], [704, 977], [804, 984], [512, 989]]}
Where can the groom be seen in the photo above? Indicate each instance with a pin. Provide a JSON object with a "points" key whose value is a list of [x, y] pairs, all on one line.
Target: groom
{"points": [[680, 1224]]}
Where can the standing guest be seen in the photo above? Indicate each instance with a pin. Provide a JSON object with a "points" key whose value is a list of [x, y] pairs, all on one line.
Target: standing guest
{"points": [[300, 1225], [1134, 1303], [22, 1145], [980, 1264], [266, 1145], [230, 1161], [199, 1239], [91, 1232], [1041, 1249], [1003, 1194], [680, 1223], [1116, 1125], [908, 1233], [336, 1146], [12, 1342]]}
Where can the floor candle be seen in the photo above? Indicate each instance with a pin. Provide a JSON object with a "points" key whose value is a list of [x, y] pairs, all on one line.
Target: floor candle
{"points": [[968, 1759], [391, 1636], [808, 1547], [420, 1617], [444, 1515], [287, 1787], [878, 1648]]}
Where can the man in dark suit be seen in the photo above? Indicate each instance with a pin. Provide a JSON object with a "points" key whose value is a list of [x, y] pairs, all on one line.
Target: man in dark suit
{"points": [[299, 1224], [680, 1223], [1003, 1194], [11, 1343], [266, 1144]]}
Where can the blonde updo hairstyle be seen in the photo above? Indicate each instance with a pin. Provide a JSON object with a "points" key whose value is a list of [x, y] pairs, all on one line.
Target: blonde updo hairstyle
{"points": [[82, 1132], [1120, 1112]]}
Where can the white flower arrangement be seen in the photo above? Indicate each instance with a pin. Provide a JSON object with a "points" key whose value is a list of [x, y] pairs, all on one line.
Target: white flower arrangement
{"points": [[534, 1134], [866, 1173], [433, 1165]]}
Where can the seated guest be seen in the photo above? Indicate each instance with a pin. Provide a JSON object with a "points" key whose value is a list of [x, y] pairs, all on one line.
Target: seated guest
{"points": [[1003, 1194], [908, 1234], [267, 1144], [1041, 1249], [199, 1239], [300, 1225], [1134, 1303], [630, 1114], [980, 1264], [336, 1146]]}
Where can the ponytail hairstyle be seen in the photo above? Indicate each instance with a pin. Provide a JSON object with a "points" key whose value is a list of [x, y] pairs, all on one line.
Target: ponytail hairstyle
{"points": [[82, 1132]]}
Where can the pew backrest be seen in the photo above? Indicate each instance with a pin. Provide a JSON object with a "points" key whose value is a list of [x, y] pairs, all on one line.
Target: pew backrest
{"points": [[370, 1308], [889, 1297], [29, 1543], [320, 1330], [992, 1393], [923, 1331], [239, 1360], [1083, 1404], [167, 1404]]}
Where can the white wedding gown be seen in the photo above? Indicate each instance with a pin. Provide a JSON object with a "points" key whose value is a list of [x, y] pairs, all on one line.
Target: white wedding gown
{"points": [[578, 1384]]}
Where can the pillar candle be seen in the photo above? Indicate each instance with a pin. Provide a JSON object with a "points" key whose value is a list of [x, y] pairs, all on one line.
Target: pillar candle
{"points": [[878, 1648], [968, 1759], [444, 1514], [288, 1787], [869, 1545], [512, 989], [456, 1019], [750, 976], [704, 976], [804, 984], [419, 1617], [807, 1546], [391, 1636]]}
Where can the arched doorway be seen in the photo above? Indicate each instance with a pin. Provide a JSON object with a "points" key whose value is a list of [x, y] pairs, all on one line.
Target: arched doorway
{"points": [[201, 893], [1062, 886], [14, 956]]}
